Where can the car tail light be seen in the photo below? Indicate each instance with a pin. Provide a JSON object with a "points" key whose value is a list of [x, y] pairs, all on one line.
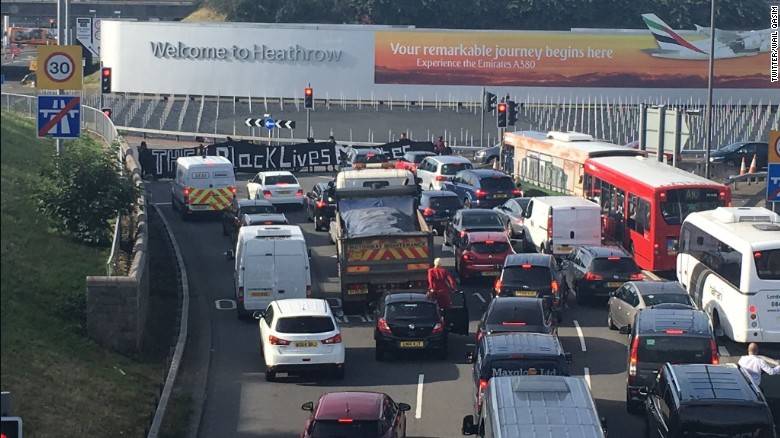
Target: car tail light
{"points": [[241, 294], [514, 323], [277, 341], [554, 287], [381, 325], [480, 193], [428, 211], [266, 194], [674, 331], [321, 204], [549, 226], [517, 192], [345, 420], [637, 277], [483, 384], [714, 355], [526, 266], [299, 193], [613, 258], [440, 178], [308, 291], [186, 195], [752, 310], [722, 195], [590, 276], [462, 234], [332, 340], [232, 189], [497, 286], [438, 328], [633, 357], [467, 256]]}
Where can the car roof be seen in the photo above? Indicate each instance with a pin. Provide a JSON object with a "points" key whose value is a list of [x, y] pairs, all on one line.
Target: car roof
{"points": [[449, 159], [655, 321], [407, 297], [429, 153], [250, 232], [366, 151], [303, 307], [606, 251], [260, 217], [208, 160], [254, 202], [564, 201], [275, 173], [528, 258], [515, 301], [438, 193], [658, 287], [357, 405], [712, 383], [482, 236], [507, 343], [485, 172], [477, 212]]}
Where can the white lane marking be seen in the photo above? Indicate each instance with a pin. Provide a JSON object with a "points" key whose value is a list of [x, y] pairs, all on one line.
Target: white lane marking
{"points": [[162, 203], [586, 373], [418, 410], [723, 351], [651, 276], [326, 177], [581, 336], [479, 297]]}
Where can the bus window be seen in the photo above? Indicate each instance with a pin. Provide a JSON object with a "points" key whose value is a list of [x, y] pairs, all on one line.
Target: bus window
{"points": [[767, 264], [605, 196], [638, 214], [677, 204]]}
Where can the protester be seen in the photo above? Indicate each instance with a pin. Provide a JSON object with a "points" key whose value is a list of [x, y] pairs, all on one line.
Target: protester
{"points": [[440, 285], [403, 137], [519, 186], [332, 139], [438, 147], [310, 139], [447, 149], [143, 159], [754, 364]]}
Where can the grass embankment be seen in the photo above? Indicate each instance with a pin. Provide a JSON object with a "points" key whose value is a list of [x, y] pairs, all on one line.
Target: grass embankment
{"points": [[62, 383], [204, 14]]}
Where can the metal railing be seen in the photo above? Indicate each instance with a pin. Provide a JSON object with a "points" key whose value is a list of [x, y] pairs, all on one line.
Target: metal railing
{"points": [[114, 246]]}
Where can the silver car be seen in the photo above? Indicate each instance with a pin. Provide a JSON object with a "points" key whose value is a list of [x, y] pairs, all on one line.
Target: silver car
{"points": [[627, 300]]}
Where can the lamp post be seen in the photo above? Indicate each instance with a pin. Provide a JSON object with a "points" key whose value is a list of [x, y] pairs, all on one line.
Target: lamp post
{"points": [[710, 80]]}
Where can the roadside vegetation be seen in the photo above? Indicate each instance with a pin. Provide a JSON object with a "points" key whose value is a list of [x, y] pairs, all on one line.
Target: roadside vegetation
{"points": [[62, 383]]}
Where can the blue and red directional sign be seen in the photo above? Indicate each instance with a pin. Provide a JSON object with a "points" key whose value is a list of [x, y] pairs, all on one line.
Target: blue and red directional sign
{"points": [[773, 182], [59, 116]]}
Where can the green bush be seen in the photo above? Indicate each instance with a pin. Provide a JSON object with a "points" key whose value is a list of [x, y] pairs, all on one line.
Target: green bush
{"points": [[81, 190]]}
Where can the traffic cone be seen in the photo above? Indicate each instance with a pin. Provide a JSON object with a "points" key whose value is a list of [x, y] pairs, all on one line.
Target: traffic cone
{"points": [[742, 169], [753, 165]]}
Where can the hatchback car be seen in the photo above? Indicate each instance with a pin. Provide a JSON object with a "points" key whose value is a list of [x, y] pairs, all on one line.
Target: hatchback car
{"points": [[659, 335], [627, 300], [481, 254], [482, 188], [320, 206], [532, 276], [734, 153], [466, 221], [300, 334], [514, 314], [278, 187], [412, 159], [438, 207], [231, 217], [409, 322], [355, 415], [358, 158], [511, 212], [434, 171], [596, 271]]}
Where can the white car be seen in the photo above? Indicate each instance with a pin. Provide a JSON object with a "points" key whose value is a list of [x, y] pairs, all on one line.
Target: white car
{"points": [[300, 334], [433, 171], [280, 187]]}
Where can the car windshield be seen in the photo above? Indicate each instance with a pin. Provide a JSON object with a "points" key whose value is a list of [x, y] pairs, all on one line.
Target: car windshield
{"points": [[305, 324], [614, 265], [489, 247], [675, 349], [416, 310], [273, 180], [531, 277], [344, 429], [654, 299], [679, 203], [444, 202], [256, 209], [529, 314], [370, 158], [482, 220], [523, 367], [767, 264], [453, 168], [497, 183]]}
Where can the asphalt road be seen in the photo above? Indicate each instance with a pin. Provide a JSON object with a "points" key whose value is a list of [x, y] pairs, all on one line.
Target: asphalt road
{"points": [[241, 403]]}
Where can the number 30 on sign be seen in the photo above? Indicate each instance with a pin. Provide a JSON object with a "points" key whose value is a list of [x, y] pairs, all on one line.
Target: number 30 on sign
{"points": [[59, 68]]}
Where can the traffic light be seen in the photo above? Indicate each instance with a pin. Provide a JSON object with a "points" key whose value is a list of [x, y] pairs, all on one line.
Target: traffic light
{"points": [[308, 97], [108, 112], [512, 116], [501, 114], [105, 80], [490, 102], [11, 427]]}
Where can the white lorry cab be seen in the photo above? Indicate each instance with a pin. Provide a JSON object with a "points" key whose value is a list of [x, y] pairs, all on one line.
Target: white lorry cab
{"points": [[203, 184], [557, 224], [373, 178], [271, 263]]}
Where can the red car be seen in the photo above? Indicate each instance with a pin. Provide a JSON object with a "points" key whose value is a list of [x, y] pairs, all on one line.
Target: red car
{"points": [[481, 253], [410, 160], [355, 415]]}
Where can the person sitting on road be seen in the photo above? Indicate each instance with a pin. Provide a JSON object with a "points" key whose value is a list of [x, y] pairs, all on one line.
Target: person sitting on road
{"points": [[754, 364], [440, 284]]}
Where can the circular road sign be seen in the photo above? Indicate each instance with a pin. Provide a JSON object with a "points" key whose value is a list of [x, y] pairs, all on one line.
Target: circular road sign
{"points": [[270, 123], [59, 67]]}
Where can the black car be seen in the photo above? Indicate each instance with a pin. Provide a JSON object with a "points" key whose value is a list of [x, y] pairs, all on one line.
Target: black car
{"points": [[231, 217], [438, 207], [411, 321], [364, 157], [515, 314], [665, 333], [596, 271], [511, 212], [706, 401], [625, 302], [482, 188], [468, 220], [320, 207], [535, 276], [515, 354], [734, 153]]}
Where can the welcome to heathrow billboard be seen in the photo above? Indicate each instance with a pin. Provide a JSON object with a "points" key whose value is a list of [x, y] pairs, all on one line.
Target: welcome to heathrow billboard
{"points": [[380, 62]]}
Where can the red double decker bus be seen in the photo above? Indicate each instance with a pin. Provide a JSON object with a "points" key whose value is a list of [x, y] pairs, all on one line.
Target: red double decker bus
{"points": [[644, 202]]}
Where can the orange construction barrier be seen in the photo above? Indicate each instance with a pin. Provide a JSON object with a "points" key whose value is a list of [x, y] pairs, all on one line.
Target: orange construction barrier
{"points": [[742, 169], [753, 165]]}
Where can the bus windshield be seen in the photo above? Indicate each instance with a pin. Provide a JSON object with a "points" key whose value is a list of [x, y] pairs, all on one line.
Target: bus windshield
{"points": [[679, 203]]}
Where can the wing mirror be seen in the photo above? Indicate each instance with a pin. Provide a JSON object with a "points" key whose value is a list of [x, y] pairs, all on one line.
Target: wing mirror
{"points": [[257, 314], [403, 407], [230, 255], [469, 428], [308, 406], [470, 357], [625, 330]]}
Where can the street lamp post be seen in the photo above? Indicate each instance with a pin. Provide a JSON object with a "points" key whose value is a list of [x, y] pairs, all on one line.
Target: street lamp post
{"points": [[710, 80]]}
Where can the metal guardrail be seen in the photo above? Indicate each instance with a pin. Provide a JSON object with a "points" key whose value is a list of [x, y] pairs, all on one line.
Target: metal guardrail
{"points": [[114, 246]]}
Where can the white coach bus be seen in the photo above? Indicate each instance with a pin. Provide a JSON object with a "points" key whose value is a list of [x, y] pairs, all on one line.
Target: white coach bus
{"points": [[729, 261]]}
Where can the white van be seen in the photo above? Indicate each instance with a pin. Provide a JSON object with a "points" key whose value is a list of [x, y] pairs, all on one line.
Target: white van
{"points": [[203, 184], [271, 263], [556, 224]]}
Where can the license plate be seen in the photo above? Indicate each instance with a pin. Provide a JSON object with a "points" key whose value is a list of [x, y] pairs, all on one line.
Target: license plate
{"points": [[283, 192], [614, 284], [357, 291], [525, 293], [411, 344], [260, 294], [500, 195], [489, 273], [306, 344], [199, 207]]}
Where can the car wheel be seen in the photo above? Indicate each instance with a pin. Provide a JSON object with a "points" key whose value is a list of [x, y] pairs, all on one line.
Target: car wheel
{"points": [[379, 353], [270, 374], [610, 323]]}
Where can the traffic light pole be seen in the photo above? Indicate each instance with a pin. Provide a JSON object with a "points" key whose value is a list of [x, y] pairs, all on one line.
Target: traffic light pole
{"points": [[62, 26], [482, 120], [308, 123]]}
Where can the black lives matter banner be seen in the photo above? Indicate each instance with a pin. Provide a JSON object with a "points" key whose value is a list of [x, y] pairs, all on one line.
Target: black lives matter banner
{"points": [[396, 149]]}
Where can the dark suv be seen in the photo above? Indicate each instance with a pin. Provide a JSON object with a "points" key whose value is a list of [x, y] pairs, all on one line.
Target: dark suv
{"points": [[532, 275], [482, 188], [438, 207], [661, 335], [515, 314], [595, 271], [320, 207], [515, 354], [706, 401]]}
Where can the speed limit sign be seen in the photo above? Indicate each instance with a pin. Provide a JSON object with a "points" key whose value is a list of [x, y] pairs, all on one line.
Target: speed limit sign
{"points": [[59, 68]]}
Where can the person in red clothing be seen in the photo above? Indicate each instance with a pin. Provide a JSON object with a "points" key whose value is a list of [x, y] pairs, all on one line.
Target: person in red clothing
{"points": [[440, 284]]}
